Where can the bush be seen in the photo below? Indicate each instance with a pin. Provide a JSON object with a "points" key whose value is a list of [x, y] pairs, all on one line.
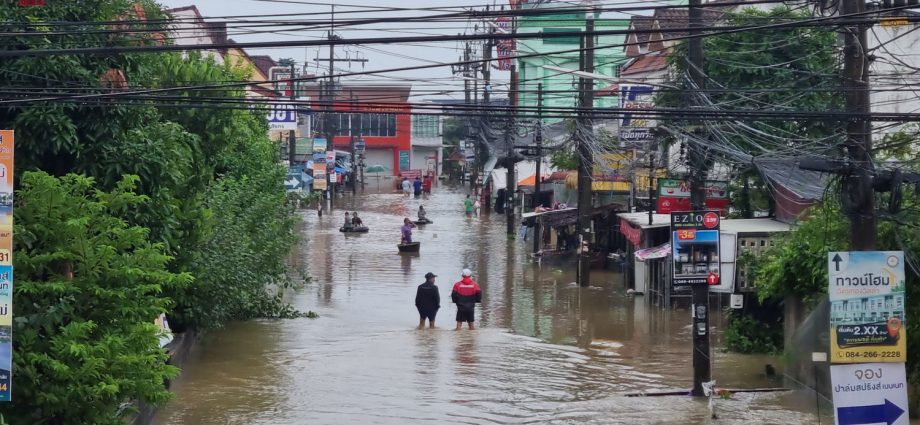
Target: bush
{"points": [[746, 334], [88, 288]]}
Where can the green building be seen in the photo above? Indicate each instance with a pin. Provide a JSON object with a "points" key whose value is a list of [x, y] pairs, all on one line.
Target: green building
{"points": [[560, 89]]}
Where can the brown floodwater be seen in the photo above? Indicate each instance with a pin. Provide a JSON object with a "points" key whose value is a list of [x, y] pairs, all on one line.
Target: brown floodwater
{"points": [[546, 351]]}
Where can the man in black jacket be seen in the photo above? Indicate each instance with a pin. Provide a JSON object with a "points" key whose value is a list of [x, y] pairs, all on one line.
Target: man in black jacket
{"points": [[427, 301]]}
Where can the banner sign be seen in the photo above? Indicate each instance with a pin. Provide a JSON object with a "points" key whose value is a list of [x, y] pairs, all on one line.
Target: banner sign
{"points": [[674, 195], [282, 117], [6, 263], [403, 160], [505, 48], [636, 131], [870, 393], [695, 248], [319, 145], [319, 175], [633, 234], [866, 292]]}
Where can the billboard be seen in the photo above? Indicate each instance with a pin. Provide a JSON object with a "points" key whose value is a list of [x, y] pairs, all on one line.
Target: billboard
{"points": [[695, 246], [866, 290], [674, 195], [319, 175], [6, 263], [282, 117], [635, 130]]}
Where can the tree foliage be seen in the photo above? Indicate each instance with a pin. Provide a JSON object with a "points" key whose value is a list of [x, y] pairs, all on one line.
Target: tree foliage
{"points": [[776, 69], [172, 209], [88, 286]]}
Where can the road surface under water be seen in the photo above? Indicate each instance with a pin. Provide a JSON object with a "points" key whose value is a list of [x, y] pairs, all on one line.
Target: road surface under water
{"points": [[546, 351]]}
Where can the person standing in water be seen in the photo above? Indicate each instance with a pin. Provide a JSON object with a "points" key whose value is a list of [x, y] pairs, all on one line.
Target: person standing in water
{"points": [[466, 294], [468, 206], [427, 301], [406, 187], [407, 230]]}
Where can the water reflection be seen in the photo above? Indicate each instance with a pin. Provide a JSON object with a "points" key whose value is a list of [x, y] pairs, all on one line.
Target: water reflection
{"points": [[546, 351]]}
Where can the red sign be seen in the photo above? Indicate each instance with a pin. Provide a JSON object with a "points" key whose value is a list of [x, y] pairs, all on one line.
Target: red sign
{"points": [[632, 234], [686, 234], [27, 3], [712, 279], [710, 220]]}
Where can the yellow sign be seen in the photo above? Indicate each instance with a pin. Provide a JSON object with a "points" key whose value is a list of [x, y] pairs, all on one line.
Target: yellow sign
{"points": [[893, 22]]}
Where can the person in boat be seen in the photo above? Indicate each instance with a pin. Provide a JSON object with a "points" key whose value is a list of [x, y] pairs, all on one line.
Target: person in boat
{"points": [[422, 215], [355, 220], [407, 231], [348, 221]]}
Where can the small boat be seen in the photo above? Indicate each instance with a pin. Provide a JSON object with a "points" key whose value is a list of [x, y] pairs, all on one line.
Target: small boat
{"points": [[409, 247], [422, 222], [358, 229]]}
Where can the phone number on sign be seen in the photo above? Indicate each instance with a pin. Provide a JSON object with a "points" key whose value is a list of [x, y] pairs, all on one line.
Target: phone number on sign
{"points": [[872, 355]]}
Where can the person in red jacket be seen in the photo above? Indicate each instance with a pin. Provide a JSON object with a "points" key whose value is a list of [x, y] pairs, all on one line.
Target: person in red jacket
{"points": [[466, 294]]}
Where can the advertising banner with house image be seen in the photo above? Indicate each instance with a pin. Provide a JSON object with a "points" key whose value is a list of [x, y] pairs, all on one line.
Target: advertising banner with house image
{"points": [[866, 291]]}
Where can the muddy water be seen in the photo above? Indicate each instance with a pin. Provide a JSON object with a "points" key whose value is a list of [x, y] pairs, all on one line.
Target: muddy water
{"points": [[547, 351]]}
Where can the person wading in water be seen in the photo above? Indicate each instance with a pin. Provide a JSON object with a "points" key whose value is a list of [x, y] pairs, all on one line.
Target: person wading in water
{"points": [[427, 301], [466, 294]]}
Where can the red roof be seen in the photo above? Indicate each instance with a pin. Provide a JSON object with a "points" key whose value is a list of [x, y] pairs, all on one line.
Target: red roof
{"points": [[646, 64], [611, 90], [558, 175]]}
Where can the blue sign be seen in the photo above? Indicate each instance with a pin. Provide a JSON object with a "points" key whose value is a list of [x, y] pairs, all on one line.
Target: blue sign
{"points": [[282, 117], [403, 160], [883, 413]]}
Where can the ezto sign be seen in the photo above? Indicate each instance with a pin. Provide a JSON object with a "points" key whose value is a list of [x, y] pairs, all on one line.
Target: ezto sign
{"points": [[867, 295], [695, 245]]}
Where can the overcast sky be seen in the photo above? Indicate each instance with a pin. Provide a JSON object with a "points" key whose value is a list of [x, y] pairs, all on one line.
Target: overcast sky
{"points": [[426, 82]]}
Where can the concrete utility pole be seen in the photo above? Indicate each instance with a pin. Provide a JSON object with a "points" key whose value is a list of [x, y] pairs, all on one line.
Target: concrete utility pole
{"points": [[509, 139], [858, 185], [355, 132], [486, 98], [585, 133], [701, 352], [538, 138], [292, 135]]}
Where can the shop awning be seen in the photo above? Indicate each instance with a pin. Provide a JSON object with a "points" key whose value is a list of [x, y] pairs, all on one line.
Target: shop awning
{"points": [[531, 180], [659, 251]]}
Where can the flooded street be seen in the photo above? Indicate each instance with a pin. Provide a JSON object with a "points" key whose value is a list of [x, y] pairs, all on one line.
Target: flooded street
{"points": [[547, 351]]}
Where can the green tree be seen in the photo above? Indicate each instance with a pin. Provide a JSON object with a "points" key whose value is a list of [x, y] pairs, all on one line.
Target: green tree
{"points": [[776, 69], [88, 287]]}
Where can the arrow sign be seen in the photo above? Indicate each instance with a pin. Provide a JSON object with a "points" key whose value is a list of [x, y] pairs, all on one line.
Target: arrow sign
{"points": [[292, 183], [886, 413], [837, 261]]}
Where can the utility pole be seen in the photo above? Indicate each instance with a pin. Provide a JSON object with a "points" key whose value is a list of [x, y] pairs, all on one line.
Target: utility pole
{"points": [[486, 98], [509, 139], [651, 169], [538, 138], [701, 352], [585, 132], [355, 132], [292, 135], [863, 219]]}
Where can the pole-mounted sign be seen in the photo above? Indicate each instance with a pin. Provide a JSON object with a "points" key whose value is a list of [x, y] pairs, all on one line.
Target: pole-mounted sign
{"points": [[868, 306], [695, 245]]}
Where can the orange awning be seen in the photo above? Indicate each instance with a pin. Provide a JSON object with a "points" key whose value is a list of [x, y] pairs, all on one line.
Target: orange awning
{"points": [[531, 180]]}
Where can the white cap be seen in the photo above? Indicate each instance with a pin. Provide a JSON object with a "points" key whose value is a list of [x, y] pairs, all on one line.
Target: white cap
{"points": [[466, 272]]}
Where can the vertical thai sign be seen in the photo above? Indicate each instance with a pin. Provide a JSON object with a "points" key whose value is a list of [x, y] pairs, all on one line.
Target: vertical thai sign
{"points": [[866, 290], [867, 294], [505, 48], [636, 129], [6, 263]]}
